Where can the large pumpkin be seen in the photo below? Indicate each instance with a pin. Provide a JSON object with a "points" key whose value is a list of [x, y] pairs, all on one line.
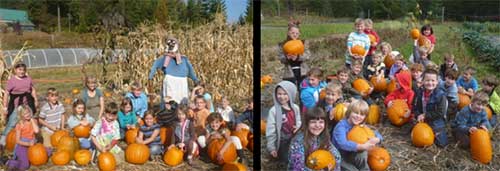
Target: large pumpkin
{"points": [[61, 158], [424, 42], [388, 61], [360, 134], [320, 159], [489, 112], [378, 159], [480, 145], [422, 135], [11, 140], [37, 154], [81, 131], [242, 134], [69, 144], [373, 114], [391, 87], [130, 135], [262, 127], [266, 79], [294, 47], [463, 100], [339, 112], [137, 153], [234, 166], [215, 146], [397, 111], [358, 50], [379, 83], [362, 86], [106, 161], [82, 157], [414, 33], [56, 136], [173, 156], [166, 134]]}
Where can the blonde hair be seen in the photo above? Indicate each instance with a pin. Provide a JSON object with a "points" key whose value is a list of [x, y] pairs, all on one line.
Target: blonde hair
{"points": [[357, 63], [399, 57], [357, 106], [368, 21], [90, 79], [334, 87], [52, 92], [385, 44], [377, 55], [449, 56], [480, 97], [422, 50], [135, 86], [417, 67], [432, 65], [21, 109], [359, 21]]}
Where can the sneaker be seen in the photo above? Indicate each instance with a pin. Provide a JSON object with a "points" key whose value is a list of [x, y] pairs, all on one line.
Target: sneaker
{"points": [[190, 161]]}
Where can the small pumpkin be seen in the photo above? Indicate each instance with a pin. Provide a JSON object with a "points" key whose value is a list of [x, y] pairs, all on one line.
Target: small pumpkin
{"points": [[37, 154], [165, 134], [56, 136], [81, 131], [173, 156], [360, 134], [61, 158], [320, 159], [294, 47], [68, 101], [388, 61], [215, 146], [82, 157], [373, 114], [424, 42], [234, 166], [463, 100], [480, 145], [242, 134], [489, 112], [422, 135], [11, 140], [262, 127], [391, 87], [130, 135], [106, 161], [322, 94], [358, 50], [75, 91], [108, 94], [414, 33], [397, 111], [373, 39], [70, 144], [339, 112], [137, 153], [378, 159], [362, 86], [379, 84], [266, 79]]}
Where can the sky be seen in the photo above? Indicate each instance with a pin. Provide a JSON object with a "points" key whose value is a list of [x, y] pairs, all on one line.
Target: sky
{"points": [[235, 8]]}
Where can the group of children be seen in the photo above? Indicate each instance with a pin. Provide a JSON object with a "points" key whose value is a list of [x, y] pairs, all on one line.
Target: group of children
{"points": [[194, 126], [295, 130]]}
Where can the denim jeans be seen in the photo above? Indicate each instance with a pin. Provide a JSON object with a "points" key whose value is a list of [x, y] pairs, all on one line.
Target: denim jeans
{"points": [[155, 149], [11, 123], [493, 120], [439, 128]]}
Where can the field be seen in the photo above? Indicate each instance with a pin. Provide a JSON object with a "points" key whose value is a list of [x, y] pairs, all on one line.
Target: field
{"points": [[327, 43]]}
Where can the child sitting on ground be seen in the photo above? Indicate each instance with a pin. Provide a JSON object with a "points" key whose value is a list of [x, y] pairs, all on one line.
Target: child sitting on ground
{"points": [[311, 87], [466, 83], [80, 117], [51, 116], [184, 135], [471, 118], [149, 134], [106, 133]]}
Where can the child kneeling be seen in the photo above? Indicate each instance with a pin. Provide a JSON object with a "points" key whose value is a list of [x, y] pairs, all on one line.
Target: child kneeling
{"points": [[471, 118]]}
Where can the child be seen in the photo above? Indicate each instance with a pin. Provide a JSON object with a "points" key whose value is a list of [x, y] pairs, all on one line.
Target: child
{"points": [[200, 114], [200, 91], [139, 100], [312, 136], [356, 73], [466, 83], [215, 130], [399, 64], [403, 91], [449, 86], [357, 38], [126, 117], [428, 33], [80, 117], [295, 69], [149, 134], [283, 121], [416, 77], [471, 118], [93, 98], [354, 156], [376, 68], [311, 87], [431, 107], [51, 116], [106, 133], [373, 45], [449, 63], [227, 112], [387, 52], [247, 115], [26, 129], [167, 116], [333, 96], [489, 85], [420, 54], [343, 79], [185, 135]]}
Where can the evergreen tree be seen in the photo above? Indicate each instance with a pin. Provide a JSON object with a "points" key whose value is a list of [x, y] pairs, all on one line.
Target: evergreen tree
{"points": [[161, 12]]}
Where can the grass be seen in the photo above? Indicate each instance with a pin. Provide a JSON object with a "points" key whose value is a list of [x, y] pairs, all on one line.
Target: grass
{"points": [[39, 40]]}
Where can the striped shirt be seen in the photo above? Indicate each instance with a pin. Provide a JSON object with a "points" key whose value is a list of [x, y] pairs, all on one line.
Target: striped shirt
{"points": [[148, 132], [52, 115]]}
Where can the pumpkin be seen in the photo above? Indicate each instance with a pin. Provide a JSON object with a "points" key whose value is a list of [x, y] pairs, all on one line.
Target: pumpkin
{"points": [[137, 153], [81, 131], [373, 114], [130, 135], [37, 154], [11, 140], [424, 42], [75, 91], [358, 50], [480, 146], [362, 86], [250, 142], [266, 79], [391, 87], [388, 61], [320, 159], [489, 112], [360, 134], [106, 161], [61, 158], [378, 159], [414, 33], [56, 136], [322, 94], [373, 39], [339, 112], [242, 134], [68, 101], [234, 166], [294, 47], [379, 83], [165, 134], [422, 135], [396, 112], [82, 157], [262, 127], [215, 146], [463, 100], [69, 144], [173, 156], [108, 94]]}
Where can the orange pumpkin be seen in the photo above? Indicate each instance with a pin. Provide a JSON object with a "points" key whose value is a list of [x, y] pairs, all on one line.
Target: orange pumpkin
{"points": [[242, 134], [320, 159], [397, 111], [373, 114], [81, 131], [106, 161], [75, 91], [339, 112], [489, 112], [250, 142], [378, 159], [322, 94], [414, 33], [373, 39], [362, 86], [130, 135], [463, 100], [294, 47], [69, 144], [234, 166], [391, 87], [173, 156], [422, 135], [358, 50], [360, 134], [61, 157], [11, 140], [215, 146], [37, 154], [165, 134], [266, 79], [480, 145], [424, 42], [108, 94], [56, 136], [379, 84], [82, 157], [68, 101], [262, 127], [388, 61], [137, 153]]}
